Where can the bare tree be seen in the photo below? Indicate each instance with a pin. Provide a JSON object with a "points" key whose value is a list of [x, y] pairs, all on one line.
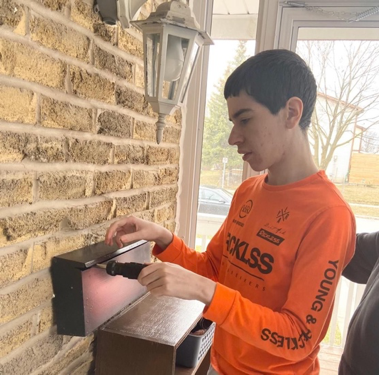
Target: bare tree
{"points": [[370, 142], [347, 78]]}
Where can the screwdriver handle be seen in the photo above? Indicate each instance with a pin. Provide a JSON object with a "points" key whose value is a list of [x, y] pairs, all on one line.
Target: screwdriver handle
{"points": [[130, 270]]}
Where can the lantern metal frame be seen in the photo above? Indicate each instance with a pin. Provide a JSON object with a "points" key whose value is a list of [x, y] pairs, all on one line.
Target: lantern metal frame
{"points": [[176, 19], [173, 18]]}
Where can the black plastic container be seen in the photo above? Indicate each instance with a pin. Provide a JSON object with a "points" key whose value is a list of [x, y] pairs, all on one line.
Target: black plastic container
{"points": [[195, 347]]}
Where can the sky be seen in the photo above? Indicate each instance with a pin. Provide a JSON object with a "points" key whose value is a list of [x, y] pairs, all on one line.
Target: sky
{"points": [[221, 53]]}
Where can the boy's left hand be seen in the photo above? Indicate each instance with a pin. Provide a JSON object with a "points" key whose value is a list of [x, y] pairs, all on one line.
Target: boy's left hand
{"points": [[167, 279]]}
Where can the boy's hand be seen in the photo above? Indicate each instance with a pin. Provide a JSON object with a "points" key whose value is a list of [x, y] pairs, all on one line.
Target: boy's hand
{"points": [[167, 279], [131, 229]]}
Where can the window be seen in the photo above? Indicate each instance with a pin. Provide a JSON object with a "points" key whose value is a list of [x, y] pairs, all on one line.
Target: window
{"points": [[343, 57], [221, 167]]}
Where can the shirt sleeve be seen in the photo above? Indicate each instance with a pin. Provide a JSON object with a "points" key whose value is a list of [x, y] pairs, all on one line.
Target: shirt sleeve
{"points": [[206, 263], [294, 331], [366, 255]]}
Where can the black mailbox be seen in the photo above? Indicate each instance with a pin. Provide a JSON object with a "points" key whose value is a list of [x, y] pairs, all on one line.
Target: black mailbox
{"points": [[85, 295]]}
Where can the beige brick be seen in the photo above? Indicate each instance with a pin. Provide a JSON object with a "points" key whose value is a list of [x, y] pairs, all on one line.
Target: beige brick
{"points": [[91, 86], [157, 155], [97, 233], [162, 196], [165, 213], [43, 350], [132, 100], [63, 185], [106, 182], [45, 319], [88, 215], [174, 155], [43, 252], [145, 178], [132, 204], [56, 114], [17, 105], [130, 154], [129, 43], [125, 69], [178, 116], [20, 146], [169, 175], [171, 135], [86, 368], [114, 64], [115, 124], [106, 32], [24, 62], [145, 215], [28, 296], [47, 150], [139, 76], [82, 13], [170, 225], [11, 339], [12, 146], [15, 188], [68, 356], [104, 60], [14, 16], [55, 5], [59, 37], [95, 152], [15, 265], [145, 131], [19, 228]]}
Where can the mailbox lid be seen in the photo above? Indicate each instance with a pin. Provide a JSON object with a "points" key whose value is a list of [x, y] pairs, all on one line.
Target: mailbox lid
{"points": [[90, 255]]}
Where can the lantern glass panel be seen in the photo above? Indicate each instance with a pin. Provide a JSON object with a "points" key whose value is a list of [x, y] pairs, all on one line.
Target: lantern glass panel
{"points": [[175, 59], [189, 70], [153, 46]]}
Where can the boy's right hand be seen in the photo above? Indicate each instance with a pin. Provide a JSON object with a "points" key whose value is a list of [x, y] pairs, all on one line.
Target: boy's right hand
{"points": [[132, 229]]}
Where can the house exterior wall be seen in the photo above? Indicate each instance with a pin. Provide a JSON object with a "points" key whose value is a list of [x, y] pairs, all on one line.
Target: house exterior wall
{"points": [[77, 150], [364, 169]]}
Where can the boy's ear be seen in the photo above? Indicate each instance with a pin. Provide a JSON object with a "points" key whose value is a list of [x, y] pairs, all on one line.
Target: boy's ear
{"points": [[294, 108]]}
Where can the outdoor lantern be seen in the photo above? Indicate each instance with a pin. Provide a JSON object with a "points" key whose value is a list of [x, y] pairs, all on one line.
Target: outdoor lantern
{"points": [[172, 41]]}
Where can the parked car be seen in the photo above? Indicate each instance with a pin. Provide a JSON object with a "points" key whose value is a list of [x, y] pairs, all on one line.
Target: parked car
{"points": [[214, 200]]}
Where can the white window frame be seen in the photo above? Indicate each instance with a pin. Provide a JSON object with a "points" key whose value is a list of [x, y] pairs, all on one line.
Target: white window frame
{"points": [[193, 115], [291, 18]]}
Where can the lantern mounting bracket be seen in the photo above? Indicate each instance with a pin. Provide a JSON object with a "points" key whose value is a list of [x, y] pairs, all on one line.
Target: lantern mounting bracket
{"points": [[123, 11]]}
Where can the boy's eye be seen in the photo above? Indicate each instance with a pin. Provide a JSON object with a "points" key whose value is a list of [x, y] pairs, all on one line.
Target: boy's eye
{"points": [[244, 121]]}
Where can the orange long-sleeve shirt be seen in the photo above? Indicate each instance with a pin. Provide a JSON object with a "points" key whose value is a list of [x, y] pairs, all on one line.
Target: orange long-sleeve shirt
{"points": [[277, 259]]}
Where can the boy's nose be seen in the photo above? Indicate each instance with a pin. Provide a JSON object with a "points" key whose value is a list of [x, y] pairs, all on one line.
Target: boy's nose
{"points": [[234, 137]]}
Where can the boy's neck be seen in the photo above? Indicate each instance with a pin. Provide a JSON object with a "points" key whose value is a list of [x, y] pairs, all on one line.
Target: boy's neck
{"points": [[296, 165]]}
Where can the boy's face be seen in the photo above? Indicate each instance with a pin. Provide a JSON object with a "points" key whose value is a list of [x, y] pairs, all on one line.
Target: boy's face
{"points": [[260, 136]]}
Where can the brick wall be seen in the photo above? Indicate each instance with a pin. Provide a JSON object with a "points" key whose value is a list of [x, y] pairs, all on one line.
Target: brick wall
{"points": [[364, 169], [77, 150]]}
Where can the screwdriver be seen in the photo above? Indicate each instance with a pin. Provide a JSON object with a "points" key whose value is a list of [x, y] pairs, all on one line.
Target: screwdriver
{"points": [[130, 270]]}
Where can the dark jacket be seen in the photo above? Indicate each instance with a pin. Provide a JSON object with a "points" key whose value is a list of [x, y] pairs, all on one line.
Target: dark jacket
{"points": [[361, 352]]}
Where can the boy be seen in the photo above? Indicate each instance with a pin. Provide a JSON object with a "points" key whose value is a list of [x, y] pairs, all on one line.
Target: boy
{"points": [[269, 274]]}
